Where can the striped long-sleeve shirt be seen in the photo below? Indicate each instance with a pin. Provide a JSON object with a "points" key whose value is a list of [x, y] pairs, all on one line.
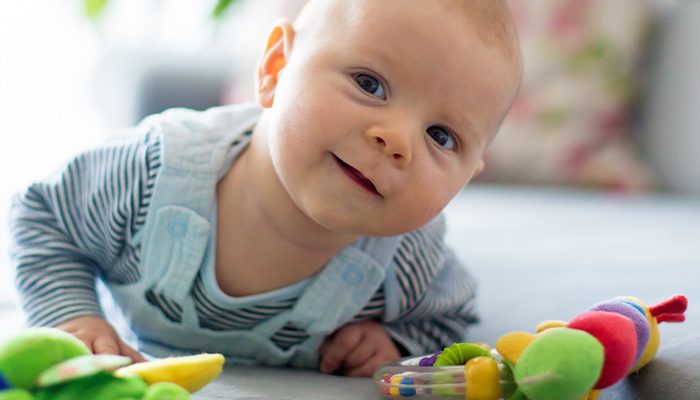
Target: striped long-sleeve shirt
{"points": [[76, 226]]}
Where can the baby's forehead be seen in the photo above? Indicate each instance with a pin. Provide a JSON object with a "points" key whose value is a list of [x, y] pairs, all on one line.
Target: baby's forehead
{"points": [[491, 19]]}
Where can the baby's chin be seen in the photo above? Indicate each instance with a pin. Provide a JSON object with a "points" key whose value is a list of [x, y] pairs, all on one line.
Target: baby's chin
{"points": [[360, 226]]}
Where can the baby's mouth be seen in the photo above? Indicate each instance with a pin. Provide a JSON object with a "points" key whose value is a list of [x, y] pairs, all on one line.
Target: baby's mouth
{"points": [[357, 176]]}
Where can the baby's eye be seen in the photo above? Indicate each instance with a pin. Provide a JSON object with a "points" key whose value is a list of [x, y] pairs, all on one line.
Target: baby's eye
{"points": [[370, 85], [443, 138]]}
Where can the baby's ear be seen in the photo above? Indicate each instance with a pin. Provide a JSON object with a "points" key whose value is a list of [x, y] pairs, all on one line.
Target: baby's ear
{"points": [[273, 60]]}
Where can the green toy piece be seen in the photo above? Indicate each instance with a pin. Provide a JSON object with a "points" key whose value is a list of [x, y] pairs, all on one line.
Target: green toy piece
{"points": [[24, 357], [561, 364], [166, 391], [49, 364], [460, 353], [103, 386], [16, 394], [81, 367]]}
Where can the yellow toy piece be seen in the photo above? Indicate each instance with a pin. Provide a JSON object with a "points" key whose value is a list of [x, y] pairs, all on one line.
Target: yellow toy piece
{"points": [[394, 388], [481, 375], [550, 324], [654, 337], [190, 372], [510, 345]]}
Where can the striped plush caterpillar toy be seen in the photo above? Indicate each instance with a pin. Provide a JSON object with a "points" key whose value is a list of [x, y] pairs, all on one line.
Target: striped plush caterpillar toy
{"points": [[572, 360]]}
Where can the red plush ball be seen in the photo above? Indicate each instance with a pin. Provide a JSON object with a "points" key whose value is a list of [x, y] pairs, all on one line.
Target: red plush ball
{"points": [[617, 335]]}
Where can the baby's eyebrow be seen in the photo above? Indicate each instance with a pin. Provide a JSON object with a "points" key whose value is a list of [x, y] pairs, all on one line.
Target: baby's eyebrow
{"points": [[379, 52]]}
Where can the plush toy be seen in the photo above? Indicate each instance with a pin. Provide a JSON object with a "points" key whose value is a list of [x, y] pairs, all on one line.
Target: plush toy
{"points": [[561, 361], [46, 363]]}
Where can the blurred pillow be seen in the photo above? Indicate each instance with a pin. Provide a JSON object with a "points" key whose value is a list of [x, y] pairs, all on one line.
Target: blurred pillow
{"points": [[570, 124]]}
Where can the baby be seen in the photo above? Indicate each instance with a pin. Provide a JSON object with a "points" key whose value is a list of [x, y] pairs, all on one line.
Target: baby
{"points": [[303, 230]]}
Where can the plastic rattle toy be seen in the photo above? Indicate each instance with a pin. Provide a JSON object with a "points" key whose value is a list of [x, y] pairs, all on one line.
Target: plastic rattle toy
{"points": [[572, 360], [49, 364]]}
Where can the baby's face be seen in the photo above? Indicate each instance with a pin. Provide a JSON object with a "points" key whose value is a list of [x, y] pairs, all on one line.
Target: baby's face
{"points": [[381, 114]]}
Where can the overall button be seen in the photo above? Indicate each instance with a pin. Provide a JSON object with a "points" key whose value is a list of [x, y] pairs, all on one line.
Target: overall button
{"points": [[177, 228], [352, 275]]}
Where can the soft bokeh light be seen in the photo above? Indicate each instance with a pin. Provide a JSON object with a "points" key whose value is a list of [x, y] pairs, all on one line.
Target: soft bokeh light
{"points": [[51, 56], [47, 50]]}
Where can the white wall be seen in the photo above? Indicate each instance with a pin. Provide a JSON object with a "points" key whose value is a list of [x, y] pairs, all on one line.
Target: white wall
{"points": [[46, 52]]}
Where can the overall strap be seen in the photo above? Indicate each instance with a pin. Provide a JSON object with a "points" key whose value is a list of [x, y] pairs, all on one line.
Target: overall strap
{"points": [[194, 151], [344, 287], [177, 240], [383, 251]]}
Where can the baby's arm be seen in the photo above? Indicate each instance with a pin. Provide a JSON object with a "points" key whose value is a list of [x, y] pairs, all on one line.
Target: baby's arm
{"points": [[434, 296], [69, 229], [437, 320], [440, 315]]}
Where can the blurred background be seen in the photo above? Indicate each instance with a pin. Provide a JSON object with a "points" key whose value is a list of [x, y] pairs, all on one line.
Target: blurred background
{"points": [[73, 72], [610, 102]]}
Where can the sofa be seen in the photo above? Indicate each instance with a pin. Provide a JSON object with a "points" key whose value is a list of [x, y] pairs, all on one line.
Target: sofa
{"points": [[537, 252]]}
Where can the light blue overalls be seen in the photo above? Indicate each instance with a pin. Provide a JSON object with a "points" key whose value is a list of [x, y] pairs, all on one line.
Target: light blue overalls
{"points": [[178, 239]]}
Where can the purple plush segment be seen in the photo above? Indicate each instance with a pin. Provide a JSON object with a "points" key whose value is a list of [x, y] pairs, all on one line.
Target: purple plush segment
{"points": [[641, 325], [428, 361]]}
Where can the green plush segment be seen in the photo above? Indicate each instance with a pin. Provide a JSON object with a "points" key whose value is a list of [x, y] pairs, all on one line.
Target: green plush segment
{"points": [[166, 391], [560, 364], [81, 367], [24, 357], [16, 394], [459, 354], [103, 386], [507, 381], [517, 395]]}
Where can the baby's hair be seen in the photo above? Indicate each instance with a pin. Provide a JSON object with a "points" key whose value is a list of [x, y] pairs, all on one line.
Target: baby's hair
{"points": [[494, 22]]}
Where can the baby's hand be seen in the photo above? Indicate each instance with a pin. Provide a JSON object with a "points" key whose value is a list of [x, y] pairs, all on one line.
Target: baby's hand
{"points": [[99, 336], [357, 349]]}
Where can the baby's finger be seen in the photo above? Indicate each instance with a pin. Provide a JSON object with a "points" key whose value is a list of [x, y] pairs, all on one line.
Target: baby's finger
{"points": [[339, 347], [131, 353], [359, 355], [105, 345], [324, 347], [367, 369], [332, 358]]}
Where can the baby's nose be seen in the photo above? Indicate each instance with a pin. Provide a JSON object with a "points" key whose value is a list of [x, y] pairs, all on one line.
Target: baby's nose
{"points": [[393, 144]]}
